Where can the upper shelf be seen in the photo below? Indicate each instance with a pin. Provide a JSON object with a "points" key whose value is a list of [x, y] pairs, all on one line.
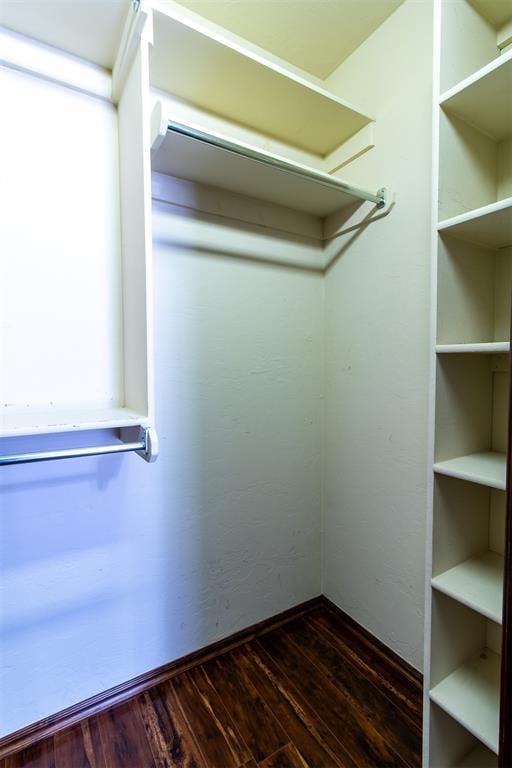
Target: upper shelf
{"points": [[214, 73], [483, 99], [490, 226], [188, 152]]}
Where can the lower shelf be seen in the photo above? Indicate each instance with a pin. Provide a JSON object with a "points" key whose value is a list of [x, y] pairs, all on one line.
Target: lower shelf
{"points": [[31, 422], [480, 757], [477, 583], [482, 468], [471, 696]]}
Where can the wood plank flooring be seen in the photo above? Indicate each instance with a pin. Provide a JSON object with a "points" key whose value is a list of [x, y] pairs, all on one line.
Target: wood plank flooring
{"points": [[315, 692]]}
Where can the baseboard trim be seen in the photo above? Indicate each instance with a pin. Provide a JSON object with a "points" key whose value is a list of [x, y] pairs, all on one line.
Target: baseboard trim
{"points": [[48, 726], [25, 737]]}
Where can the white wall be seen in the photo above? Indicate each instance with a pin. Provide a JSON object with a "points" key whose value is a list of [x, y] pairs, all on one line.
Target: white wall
{"points": [[377, 348], [110, 566]]}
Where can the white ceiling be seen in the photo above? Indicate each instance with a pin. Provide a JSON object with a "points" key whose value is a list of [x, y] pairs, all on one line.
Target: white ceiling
{"points": [[90, 29], [315, 35]]}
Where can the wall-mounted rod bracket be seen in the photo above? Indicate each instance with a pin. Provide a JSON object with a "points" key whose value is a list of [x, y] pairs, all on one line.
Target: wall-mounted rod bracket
{"points": [[146, 447]]}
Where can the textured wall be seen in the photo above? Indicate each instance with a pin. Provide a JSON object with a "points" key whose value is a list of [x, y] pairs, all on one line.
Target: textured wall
{"points": [[111, 566], [377, 342]]}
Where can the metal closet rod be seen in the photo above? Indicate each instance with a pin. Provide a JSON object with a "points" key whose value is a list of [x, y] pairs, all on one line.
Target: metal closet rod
{"points": [[319, 178], [75, 453]]}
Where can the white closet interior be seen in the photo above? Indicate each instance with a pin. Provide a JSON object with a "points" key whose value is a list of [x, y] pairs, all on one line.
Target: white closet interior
{"points": [[169, 132]]}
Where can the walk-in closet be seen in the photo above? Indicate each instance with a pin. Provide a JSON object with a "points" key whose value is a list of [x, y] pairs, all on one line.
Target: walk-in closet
{"points": [[255, 315]]}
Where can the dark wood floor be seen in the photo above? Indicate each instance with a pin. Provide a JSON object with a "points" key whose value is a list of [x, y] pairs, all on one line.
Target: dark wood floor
{"points": [[315, 692]]}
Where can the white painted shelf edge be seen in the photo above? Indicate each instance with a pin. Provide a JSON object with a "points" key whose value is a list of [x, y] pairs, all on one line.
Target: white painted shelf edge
{"points": [[32, 422], [480, 74], [471, 696], [477, 583], [483, 216], [483, 468], [252, 171], [481, 347]]}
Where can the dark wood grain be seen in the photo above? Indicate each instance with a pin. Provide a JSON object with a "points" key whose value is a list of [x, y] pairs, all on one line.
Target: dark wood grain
{"points": [[358, 735], [252, 717], [287, 757], [400, 733], [302, 695], [72, 749], [299, 728], [209, 726], [40, 755], [123, 738], [170, 737], [403, 686], [505, 742]]}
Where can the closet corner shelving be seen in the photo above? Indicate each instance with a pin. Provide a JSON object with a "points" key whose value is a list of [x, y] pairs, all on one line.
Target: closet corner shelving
{"points": [[472, 280]]}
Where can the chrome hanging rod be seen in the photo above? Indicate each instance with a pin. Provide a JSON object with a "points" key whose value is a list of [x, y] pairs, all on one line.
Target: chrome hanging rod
{"points": [[378, 198], [141, 446]]}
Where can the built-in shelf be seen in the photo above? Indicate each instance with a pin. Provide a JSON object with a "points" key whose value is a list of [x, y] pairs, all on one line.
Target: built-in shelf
{"points": [[481, 348], [211, 71], [483, 99], [477, 583], [482, 468], [189, 152], [471, 696], [16, 422], [490, 226], [479, 757]]}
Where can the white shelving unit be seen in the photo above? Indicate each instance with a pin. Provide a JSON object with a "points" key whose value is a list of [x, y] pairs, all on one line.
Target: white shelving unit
{"points": [[210, 71], [472, 276], [77, 295]]}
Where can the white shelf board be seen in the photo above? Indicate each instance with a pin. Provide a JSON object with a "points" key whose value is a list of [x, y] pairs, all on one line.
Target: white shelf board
{"points": [[206, 69], [482, 468], [479, 757], [483, 100], [32, 421], [481, 347], [490, 226], [477, 583], [186, 158], [471, 695]]}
